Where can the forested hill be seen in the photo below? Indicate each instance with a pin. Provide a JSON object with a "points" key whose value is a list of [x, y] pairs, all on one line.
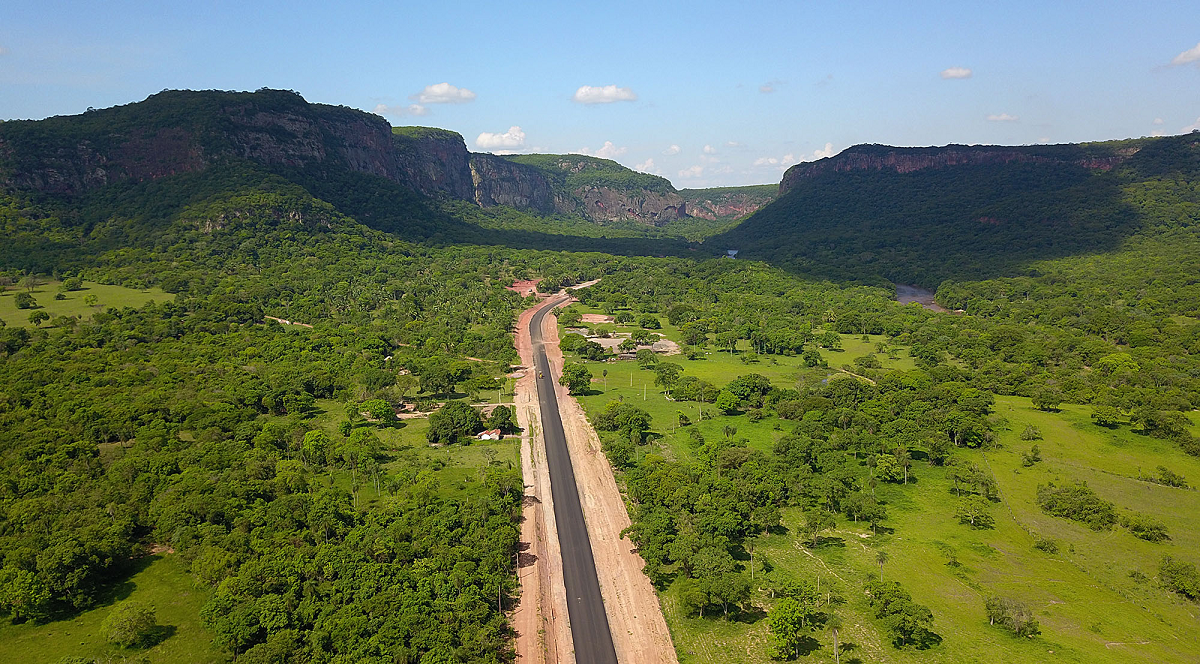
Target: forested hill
{"points": [[924, 215]]}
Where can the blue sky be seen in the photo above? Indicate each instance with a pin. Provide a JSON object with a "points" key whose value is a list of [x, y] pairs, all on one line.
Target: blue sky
{"points": [[704, 93]]}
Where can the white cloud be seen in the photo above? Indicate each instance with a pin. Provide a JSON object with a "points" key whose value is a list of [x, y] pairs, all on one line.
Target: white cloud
{"points": [[444, 93], [602, 94], [693, 172], [606, 151], [1192, 127], [708, 149], [827, 151], [1002, 117], [733, 144], [4, 51], [956, 72], [766, 88], [788, 158], [1188, 56], [512, 139], [766, 161], [399, 111], [1158, 121], [671, 150], [647, 166]]}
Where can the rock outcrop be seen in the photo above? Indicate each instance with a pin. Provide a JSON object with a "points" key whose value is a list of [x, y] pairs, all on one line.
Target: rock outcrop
{"points": [[498, 181], [907, 160], [610, 204], [728, 203]]}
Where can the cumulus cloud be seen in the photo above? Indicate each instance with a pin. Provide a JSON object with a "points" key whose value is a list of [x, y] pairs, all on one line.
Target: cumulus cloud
{"points": [[606, 151], [827, 151], [512, 139], [672, 150], [956, 72], [693, 172], [401, 110], [1158, 121], [1187, 57], [766, 161], [1002, 117], [647, 166], [708, 149], [602, 94], [444, 93], [1192, 127]]}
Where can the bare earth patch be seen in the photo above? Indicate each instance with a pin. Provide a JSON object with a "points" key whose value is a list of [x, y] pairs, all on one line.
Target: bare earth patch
{"points": [[597, 318]]}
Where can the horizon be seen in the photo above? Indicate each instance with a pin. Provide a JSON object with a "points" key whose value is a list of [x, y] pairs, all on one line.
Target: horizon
{"points": [[695, 93]]}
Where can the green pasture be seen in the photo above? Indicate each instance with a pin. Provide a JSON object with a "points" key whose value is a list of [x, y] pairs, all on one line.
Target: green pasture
{"points": [[106, 296], [161, 581], [1090, 607]]}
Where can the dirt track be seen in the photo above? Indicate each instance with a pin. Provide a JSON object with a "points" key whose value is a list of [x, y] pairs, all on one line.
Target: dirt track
{"points": [[639, 631]]}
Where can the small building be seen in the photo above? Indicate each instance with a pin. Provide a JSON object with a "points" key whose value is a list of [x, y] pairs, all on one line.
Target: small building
{"points": [[491, 434]]}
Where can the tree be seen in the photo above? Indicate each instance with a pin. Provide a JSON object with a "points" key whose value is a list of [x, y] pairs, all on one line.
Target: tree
{"points": [[833, 623], [576, 378], [25, 301], [315, 447], [816, 521], [881, 557], [646, 358], [649, 322], [1106, 416], [666, 375], [456, 422], [786, 622], [974, 511], [38, 316], [502, 418], [1011, 615], [1047, 398], [887, 468], [727, 402], [90, 300], [129, 624]]}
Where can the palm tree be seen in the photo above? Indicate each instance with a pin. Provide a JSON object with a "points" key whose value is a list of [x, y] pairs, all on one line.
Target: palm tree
{"points": [[881, 558], [834, 624]]}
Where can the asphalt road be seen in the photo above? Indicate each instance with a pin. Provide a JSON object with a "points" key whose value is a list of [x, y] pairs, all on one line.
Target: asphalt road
{"points": [[589, 624]]}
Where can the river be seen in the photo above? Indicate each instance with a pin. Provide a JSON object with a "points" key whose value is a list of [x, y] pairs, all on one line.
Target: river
{"points": [[908, 294]]}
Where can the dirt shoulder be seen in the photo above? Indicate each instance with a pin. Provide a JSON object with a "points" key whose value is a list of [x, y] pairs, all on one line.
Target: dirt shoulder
{"points": [[540, 619], [639, 632]]}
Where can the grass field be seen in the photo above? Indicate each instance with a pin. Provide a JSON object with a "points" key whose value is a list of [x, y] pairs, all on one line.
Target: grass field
{"points": [[106, 296], [1090, 607], [162, 582]]}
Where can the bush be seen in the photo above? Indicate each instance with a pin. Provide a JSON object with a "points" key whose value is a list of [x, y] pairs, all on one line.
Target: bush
{"points": [[1031, 457], [25, 301], [1031, 432], [130, 624], [1046, 544], [1079, 503], [1145, 527], [1011, 615], [1180, 577]]}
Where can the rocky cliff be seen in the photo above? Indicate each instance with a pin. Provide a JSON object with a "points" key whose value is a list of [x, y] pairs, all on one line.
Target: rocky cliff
{"points": [[182, 131], [728, 203], [498, 181], [908, 160]]}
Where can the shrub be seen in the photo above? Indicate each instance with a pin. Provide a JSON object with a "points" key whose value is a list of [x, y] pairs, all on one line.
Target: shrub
{"points": [[1031, 432], [1079, 503], [1180, 577], [1011, 615], [1047, 544], [1145, 527], [130, 624], [25, 301], [1031, 457]]}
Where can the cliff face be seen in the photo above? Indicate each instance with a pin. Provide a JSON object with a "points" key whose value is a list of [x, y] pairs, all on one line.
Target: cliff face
{"points": [[498, 181], [728, 203], [177, 132], [908, 160]]}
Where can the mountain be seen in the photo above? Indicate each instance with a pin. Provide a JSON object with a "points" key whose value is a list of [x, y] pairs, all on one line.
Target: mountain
{"points": [[924, 215], [179, 132]]}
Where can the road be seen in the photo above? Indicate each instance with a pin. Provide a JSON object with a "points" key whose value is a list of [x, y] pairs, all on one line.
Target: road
{"points": [[589, 624]]}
